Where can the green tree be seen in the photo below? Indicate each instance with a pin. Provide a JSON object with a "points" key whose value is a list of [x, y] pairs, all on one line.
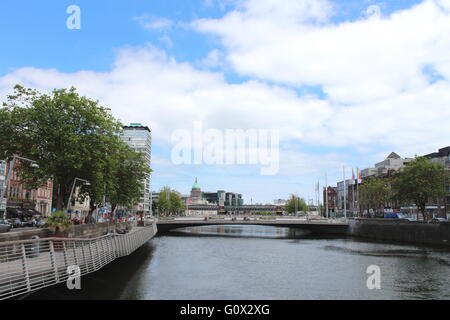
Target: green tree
{"points": [[420, 181], [296, 202], [374, 193], [129, 170], [169, 202], [69, 136]]}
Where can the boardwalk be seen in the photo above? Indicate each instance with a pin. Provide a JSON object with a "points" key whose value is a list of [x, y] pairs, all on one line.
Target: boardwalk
{"points": [[26, 266]]}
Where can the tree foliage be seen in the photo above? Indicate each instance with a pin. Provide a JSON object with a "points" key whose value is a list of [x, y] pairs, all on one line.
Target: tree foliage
{"points": [[70, 136], [169, 202], [374, 193], [125, 188], [296, 202], [420, 182]]}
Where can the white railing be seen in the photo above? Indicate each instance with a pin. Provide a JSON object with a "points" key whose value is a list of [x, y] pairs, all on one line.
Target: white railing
{"points": [[29, 265]]}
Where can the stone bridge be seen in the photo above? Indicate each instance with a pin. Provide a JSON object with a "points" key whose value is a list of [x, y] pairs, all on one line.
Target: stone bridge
{"points": [[316, 227]]}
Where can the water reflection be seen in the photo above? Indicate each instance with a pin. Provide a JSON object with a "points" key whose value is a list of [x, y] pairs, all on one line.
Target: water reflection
{"points": [[260, 262], [247, 231]]}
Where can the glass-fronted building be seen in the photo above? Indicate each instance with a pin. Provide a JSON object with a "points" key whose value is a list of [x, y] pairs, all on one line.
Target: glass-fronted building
{"points": [[139, 137]]}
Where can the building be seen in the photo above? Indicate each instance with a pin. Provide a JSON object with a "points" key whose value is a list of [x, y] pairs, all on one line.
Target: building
{"points": [[368, 172], [330, 199], [344, 192], [233, 199], [79, 208], [220, 198], [139, 138], [196, 194], [39, 201], [279, 202], [2, 187], [393, 162], [442, 157]]}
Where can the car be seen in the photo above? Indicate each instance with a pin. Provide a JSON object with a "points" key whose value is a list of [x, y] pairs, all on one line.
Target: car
{"points": [[437, 220], [16, 223], [30, 223], [5, 226], [395, 215], [40, 223]]}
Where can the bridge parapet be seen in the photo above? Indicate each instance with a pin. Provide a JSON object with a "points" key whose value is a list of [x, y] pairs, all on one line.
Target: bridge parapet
{"points": [[318, 227]]}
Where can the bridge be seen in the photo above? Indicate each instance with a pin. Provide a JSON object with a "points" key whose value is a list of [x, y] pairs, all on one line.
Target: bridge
{"points": [[315, 227], [242, 209]]}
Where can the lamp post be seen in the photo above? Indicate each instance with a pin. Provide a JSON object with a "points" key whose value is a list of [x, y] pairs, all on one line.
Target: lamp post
{"points": [[11, 168], [85, 182]]}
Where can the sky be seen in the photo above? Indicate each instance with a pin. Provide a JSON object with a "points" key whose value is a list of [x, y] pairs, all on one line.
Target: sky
{"points": [[344, 83]]}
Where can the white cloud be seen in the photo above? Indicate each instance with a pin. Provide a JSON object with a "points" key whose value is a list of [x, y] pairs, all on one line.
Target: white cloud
{"points": [[293, 42], [154, 23], [147, 85]]}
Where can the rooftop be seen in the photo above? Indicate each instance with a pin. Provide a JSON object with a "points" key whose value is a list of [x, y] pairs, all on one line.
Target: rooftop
{"points": [[136, 126]]}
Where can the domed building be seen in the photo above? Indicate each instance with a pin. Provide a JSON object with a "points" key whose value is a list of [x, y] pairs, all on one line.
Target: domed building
{"points": [[196, 193]]}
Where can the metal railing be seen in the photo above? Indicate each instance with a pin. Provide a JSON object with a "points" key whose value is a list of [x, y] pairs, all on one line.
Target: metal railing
{"points": [[29, 265]]}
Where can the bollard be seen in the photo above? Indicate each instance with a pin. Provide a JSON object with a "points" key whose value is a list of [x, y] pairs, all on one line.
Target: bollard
{"points": [[33, 248]]}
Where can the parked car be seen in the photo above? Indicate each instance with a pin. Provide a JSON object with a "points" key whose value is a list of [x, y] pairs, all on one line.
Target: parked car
{"points": [[30, 223], [437, 220], [5, 226], [16, 223], [40, 223], [396, 215]]}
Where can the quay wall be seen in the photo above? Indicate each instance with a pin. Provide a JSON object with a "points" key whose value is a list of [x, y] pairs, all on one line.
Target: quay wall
{"points": [[401, 231]]}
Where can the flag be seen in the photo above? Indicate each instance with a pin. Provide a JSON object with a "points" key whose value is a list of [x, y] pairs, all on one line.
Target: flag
{"points": [[358, 175], [353, 176]]}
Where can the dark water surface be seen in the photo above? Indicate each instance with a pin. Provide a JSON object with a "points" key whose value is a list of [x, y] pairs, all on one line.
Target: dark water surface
{"points": [[257, 262]]}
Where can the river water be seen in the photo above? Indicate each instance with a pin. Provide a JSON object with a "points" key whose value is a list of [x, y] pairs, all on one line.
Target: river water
{"points": [[257, 262]]}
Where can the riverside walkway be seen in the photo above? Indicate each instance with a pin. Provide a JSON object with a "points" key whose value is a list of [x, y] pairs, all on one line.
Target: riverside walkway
{"points": [[29, 265]]}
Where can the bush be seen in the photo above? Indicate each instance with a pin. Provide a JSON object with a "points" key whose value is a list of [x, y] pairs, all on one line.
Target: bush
{"points": [[58, 222]]}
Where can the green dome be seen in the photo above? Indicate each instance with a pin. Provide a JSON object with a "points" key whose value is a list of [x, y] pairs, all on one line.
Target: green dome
{"points": [[196, 185]]}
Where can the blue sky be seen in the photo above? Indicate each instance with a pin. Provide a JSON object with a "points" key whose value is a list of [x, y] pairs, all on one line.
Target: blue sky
{"points": [[345, 82]]}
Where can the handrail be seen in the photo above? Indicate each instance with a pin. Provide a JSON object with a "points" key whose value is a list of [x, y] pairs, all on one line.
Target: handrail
{"points": [[29, 265]]}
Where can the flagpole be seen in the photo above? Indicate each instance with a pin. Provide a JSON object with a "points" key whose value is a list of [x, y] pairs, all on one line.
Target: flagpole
{"points": [[345, 193], [326, 196], [318, 195], [353, 192], [357, 191]]}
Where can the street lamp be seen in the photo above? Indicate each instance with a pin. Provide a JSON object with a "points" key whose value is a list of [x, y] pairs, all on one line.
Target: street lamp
{"points": [[85, 182], [11, 168]]}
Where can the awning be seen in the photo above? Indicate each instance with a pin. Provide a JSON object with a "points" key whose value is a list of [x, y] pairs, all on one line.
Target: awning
{"points": [[21, 213], [14, 212]]}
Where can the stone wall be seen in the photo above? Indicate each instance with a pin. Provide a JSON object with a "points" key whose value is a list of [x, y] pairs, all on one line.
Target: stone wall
{"points": [[77, 231], [24, 235], [402, 231], [96, 230]]}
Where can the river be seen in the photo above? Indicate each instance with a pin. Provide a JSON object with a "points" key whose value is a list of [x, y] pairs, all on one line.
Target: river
{"points": [[257, 262]]}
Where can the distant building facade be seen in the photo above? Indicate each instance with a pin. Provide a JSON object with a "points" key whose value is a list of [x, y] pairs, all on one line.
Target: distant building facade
{"points": [[330, 199], [220, 198], [393, 162], [442, 157], [279, 202], [20, 196], [139, 138], [344, 195]]}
